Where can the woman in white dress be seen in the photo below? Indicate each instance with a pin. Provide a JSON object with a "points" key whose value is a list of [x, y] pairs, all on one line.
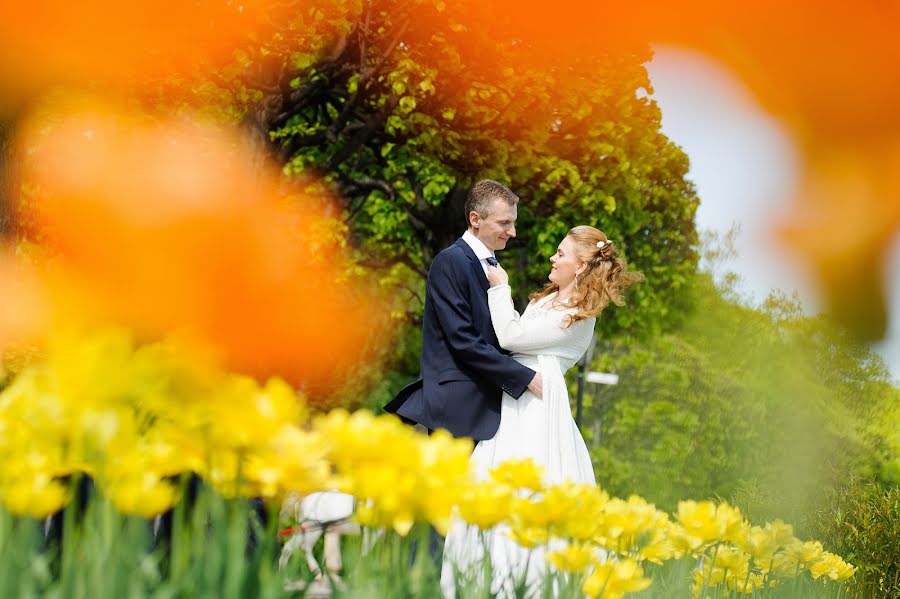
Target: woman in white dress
{"points": [[550, 336]]}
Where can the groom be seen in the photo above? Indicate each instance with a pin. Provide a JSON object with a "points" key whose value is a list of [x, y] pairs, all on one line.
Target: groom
{"points": [[463, 369]]}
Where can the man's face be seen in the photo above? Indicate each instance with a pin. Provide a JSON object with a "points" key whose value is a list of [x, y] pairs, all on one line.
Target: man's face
{"points": [[496, 229]]}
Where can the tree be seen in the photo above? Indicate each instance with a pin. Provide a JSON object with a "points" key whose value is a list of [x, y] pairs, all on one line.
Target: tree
{"points": [[402, 106]]}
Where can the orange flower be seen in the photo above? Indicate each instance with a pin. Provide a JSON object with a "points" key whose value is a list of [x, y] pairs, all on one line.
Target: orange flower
{"points": [[23, 303], [166, 227], [825, 69], [55, 40]]}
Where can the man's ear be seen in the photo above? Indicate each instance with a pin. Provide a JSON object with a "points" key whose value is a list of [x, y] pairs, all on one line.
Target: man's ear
{"points": [[474, 219]]}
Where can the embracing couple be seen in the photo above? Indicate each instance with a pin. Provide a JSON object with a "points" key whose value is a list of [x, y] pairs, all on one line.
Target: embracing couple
{"points": [[495, 376]]}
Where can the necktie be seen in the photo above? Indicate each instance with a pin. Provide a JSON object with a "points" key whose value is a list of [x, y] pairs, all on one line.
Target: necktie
{"points": [[492, 261]]}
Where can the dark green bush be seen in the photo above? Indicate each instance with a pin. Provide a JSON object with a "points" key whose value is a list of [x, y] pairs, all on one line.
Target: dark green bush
{"points": [[860, 521]]}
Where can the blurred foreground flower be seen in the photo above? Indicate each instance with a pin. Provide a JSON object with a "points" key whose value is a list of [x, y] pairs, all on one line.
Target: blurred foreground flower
{"points": [[52, 41], [837, 101], [133, 418], [613, 579], [398, 476], [167, 227]]}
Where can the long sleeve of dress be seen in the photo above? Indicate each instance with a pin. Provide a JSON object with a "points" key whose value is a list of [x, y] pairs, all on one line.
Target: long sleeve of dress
{"points": [[537, 335]]}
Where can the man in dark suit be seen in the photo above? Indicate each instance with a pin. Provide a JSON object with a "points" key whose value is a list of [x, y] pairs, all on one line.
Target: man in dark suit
{"points": [[464, 372]]}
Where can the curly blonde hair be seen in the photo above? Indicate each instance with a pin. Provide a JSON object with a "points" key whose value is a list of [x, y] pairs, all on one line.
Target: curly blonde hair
{"points": [[605, 280]]}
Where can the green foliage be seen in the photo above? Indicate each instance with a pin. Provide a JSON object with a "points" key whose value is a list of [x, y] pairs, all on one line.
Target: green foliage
{"points": [[102, 554], [403, 105], [857, 518], [738, 395], [860, 520]]}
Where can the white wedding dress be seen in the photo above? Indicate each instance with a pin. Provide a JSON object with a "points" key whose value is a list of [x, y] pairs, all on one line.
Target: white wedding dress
{"points": [[540, 429]]}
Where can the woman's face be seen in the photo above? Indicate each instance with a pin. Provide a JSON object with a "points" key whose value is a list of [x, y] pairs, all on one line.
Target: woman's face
{"points": [[565, 264]]}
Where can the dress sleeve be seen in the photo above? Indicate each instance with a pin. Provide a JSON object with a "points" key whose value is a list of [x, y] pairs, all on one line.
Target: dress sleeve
{"points": [[516, 334]]}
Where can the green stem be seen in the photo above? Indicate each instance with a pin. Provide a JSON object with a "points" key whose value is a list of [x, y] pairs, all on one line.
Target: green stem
{"points": [[708, 576], [747, 579]]}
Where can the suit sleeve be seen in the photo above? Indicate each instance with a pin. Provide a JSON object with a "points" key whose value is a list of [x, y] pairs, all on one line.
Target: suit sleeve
{"points": [[445, 287]]}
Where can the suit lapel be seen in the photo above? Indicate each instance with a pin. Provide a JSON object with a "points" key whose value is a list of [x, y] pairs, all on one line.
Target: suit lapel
{"points": [[474, 262]]}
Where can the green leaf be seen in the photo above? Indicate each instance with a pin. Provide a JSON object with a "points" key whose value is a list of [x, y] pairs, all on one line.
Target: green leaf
{"points": [[407, 104]]}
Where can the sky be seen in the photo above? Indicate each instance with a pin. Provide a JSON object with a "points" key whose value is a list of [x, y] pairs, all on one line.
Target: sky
{"points": [[744, 167]]}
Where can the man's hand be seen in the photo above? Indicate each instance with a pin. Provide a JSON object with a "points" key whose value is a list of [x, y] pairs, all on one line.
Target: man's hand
{"points": [[497, 276], [536, 385]]}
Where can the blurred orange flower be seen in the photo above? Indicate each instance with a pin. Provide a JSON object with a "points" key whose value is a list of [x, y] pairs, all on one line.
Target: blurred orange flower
{"points": [[826, 69], [170, 227], [54, 40], [23, 302]]}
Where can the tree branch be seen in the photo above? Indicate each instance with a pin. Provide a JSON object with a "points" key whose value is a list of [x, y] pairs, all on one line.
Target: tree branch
{"points": [[404, 259], [362, 135]]}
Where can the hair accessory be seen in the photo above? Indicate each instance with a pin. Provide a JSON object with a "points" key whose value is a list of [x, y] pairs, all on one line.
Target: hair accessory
{"points": [[600, 244]]}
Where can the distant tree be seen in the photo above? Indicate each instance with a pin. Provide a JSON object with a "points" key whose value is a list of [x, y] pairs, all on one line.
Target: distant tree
{"points": [[403, 105]]}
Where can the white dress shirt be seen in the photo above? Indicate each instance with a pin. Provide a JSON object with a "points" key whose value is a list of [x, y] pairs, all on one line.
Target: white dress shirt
{"points": [[481, 251]]}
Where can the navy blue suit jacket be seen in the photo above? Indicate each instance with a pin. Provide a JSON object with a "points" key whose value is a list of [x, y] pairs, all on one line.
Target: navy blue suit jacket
{"points": [[464, 370]]}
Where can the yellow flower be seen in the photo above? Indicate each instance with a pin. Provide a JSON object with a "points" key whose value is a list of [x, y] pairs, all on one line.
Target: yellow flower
{"points": [[761, 544], [782, 533], [612, 579], [732, 523], [832, 566], [528, 537], [703, 575], [485, 504], [519, 474], [529, 513], [572, 558], [243, 415], [35, 496], [661, 546], [301, 459], [401, 476], [369, 515], [585, 519], [796, 556], [747, 583], [710, 522], [445, 473], [145, 494], [683, 542], [732, 560], [628, 525], [566, 510]]}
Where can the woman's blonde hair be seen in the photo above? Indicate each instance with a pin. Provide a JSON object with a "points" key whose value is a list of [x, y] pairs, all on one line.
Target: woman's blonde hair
{"points": [[603, 282]]}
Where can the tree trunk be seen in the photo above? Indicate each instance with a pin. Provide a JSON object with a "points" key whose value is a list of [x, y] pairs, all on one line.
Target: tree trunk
{"points": [[8, 179]]}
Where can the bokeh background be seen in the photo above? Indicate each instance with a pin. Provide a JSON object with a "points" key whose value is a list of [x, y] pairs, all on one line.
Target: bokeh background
{"points": [[264, 184]]}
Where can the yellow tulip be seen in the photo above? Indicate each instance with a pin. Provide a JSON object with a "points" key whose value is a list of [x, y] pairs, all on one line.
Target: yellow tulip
{"points": [[705, 576], [572, 558], [35, 496], [528, 537], [612, 579], [630, 524], [146, 494], [485, 504], [732, 560], [710, 522], [832, 566], [519, 474]]}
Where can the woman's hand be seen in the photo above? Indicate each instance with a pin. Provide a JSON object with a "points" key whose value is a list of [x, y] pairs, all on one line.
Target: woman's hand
{"points": [[497, 276]]}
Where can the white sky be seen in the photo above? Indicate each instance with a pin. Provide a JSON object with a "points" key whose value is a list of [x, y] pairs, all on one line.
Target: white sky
{"points": [[744, 167]]}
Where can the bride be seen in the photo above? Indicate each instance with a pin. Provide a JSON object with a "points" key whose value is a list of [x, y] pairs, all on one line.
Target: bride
{"points": [[550, 337]]}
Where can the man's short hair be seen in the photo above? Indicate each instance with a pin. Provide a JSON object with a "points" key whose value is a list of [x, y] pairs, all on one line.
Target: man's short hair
{"points": [[482, 195]]}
